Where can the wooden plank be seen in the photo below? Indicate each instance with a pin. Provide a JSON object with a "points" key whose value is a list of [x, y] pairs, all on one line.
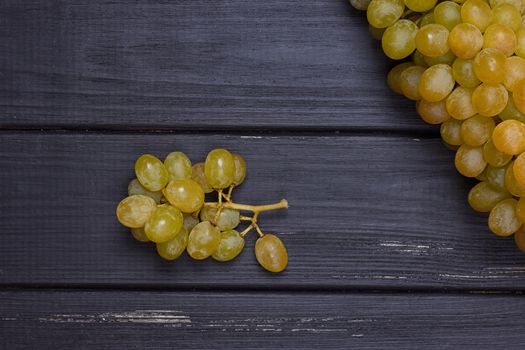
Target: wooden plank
{"points": [[365, 212], [139, 320], [187, 64]]}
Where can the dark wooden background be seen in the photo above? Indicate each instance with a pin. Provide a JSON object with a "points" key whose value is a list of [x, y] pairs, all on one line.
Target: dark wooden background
{"points": [[384, 250]]}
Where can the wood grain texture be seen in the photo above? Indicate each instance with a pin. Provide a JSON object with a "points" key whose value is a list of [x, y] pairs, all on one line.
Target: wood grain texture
{"points": [[93, 320], [194, 64], [378, 212]]}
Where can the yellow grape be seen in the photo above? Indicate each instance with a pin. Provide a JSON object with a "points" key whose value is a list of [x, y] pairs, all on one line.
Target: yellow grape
{"points": [[451, 132], [203, 240], [392, 79], [184, 194], [459, 103], [219, 168], [178, 165], [511, 111], [519, 169], [240, 169], [483, 197], [448, 14], [520, 209], [151, 172], [476, 131], [463, 72], [509, 137], [469, 161], [164, 224], [432, 40], [197, 175], [501, 37], [384, 13], [420, 5], [489, 100], [134, 211], [139, 234], [514, 72], [398, 39], [447, 58], [489, 65], [508, 15], [493, 156], [496, 177], [476, 12], [432, 112], [271, 253], [409, 82], [173, 248], [465, 40], [520, 42], [511, 184], [503, 220], [436, 83], [519, 96]]}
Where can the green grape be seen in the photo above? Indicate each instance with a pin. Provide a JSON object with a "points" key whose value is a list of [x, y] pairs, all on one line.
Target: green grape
{"points": [[228, 218], [514, 72], [447, 13], [489, 65], [436, 83], [384, 13], [427, 18], [164, 224], [230, 245], [520, 42], [465, 40], [517, 4], [432, 40], [493, 156], [447, 58], [409, 82], [360, 4], [476, 131], [511, 183], [476, 12], [420, 5], [240, 169], [518, 95], [501, 37], [483, 197], [189, 222], [489, 100], [135, 187], [203, 240], [519, 169], [219, 168], [151, 173], [451, 132], [459, 103], [185, 194], [496, 177], [197, 175], [134, 211], [503, 220], [139, 234], [398, 40], [469, 161], [509, 137], [178, 165], [173, 248], [271, 253], [508, 15], [511, 112], [463, 72], [432, 112], [394, 75]]}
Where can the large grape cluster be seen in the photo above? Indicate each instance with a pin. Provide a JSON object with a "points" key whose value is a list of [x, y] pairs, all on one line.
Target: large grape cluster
{"points": [[166, 205], [464, 65]]}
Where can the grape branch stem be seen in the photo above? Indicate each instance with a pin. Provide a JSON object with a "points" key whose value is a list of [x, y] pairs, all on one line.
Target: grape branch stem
{"points": [[283, 204]]}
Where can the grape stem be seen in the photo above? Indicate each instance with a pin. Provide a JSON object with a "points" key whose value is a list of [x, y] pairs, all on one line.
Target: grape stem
{"points": [[283, 204]]}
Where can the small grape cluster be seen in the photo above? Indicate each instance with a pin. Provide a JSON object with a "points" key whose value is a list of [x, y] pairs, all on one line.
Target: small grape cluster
{"points": [[166, 205], [465, 68]]}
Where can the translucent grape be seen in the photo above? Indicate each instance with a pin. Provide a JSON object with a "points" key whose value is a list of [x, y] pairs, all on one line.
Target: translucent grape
{"points": [[451, 132], [134, 211], [520, 42], [189, 222], [420, 5], [392, 79], [508, 15], [511, 184], [436, 83], [447, 59], [463, 73], [164, 224], [139, 234], [360, 4], [477, 130], [384, 13], [496, 177], [511, 111], [489, 66], [178, 165], [427, 18], [197, 175], [459, 103], [501, 37], [465, 40], [135, 187], [493, 156], [469, 161], [489, 100], [519, 169], [433, 112], [151, 173], [185, 194], [483, 197], [271, 253], [476, 12], [518, 4], [409, 82], [219, 168], [519, 96], [514, 72], [398, 40], [509, 137], [173, 248], [240, 169], [447, 13], [230, 246], [432, 40], [228, 218], [503, 220], [203, 240]]}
